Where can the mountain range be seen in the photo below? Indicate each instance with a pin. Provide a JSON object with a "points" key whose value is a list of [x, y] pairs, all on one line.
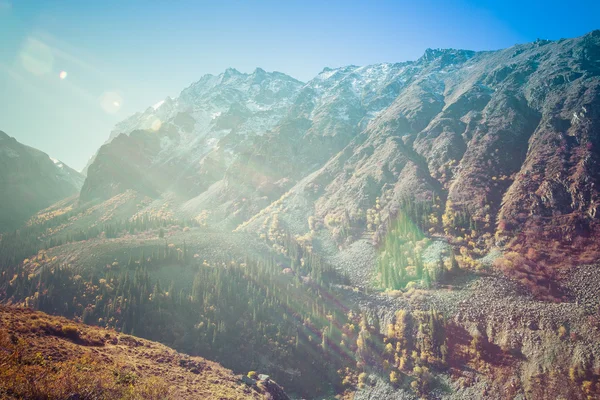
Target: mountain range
{"points": [[423, 229], [505, 137]]}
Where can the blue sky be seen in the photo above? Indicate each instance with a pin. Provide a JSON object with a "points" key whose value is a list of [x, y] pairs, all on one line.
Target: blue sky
{"points": [[123, 56]]}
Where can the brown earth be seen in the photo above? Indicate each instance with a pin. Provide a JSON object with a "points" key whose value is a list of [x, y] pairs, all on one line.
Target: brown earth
{"points": [[48, 357]]}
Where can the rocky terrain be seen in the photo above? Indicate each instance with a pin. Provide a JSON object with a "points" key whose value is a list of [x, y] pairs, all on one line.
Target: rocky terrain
{"points": [[30, 181], [530, 342]]}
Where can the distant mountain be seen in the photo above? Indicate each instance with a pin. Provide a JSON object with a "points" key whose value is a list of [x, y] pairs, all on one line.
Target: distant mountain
{"points": [[497, 147], [178, 144], [30, 181]]}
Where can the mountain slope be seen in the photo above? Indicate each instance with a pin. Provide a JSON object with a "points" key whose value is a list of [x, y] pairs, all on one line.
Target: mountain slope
{"points": [[488, 149], [42, 355], [245, 169], [30, 181], [454, 190], [493, 148], [180, 143]]}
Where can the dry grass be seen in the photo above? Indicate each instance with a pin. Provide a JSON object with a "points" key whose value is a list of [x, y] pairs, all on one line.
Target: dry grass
{"points": [[45, 357]]}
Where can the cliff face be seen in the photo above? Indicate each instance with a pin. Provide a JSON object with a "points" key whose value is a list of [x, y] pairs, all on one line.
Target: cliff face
{"points": [[498, 148], [30, 181]]}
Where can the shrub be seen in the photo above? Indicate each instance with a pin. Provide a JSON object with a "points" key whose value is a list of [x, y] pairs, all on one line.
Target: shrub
{"points": [[71, 332], [394, 378], [124, 377], [562, 332], [362, 378]]}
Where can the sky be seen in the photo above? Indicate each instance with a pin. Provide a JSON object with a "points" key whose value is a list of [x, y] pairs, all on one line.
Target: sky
{"points": [[70, 70]]}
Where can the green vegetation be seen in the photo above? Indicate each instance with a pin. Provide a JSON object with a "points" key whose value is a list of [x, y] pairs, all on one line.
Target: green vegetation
{"points": [[234, 311], [400, 257], [29, 240]]}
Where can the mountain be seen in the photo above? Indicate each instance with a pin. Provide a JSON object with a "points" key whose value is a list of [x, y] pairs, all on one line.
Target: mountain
{"points": [[30, 181], [257, 159], [204, 125], [424, 229], [51, 357], [495, 150], [501, 143]]}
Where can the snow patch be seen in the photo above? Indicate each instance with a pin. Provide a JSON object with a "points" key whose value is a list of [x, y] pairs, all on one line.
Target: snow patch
{"points": [[58, 163]]}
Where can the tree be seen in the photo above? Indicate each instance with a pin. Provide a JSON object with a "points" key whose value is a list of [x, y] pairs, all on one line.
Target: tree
{"points": [[376, 323], [426, 280], [453, 263], [394, 377]]}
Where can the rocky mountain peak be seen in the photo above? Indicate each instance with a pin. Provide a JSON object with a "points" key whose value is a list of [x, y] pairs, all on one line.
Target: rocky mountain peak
{"points": [[259, 72], [445, 56]]}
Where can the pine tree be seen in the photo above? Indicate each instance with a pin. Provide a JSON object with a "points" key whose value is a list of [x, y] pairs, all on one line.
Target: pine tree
{"points": [[426, 280]]}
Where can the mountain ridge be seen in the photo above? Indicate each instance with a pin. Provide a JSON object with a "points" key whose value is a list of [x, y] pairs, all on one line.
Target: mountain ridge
{"points": [[30, 181], [447, 106]]}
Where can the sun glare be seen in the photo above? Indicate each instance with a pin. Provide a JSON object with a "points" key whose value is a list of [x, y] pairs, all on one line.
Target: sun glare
{"points": [[36, 57], [111, 102], [156, 124]]}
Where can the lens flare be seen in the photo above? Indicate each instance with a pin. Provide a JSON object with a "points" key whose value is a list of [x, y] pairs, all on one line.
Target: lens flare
{"points": [[111, 102], [156, 124], [62, 75], [36, 57]]}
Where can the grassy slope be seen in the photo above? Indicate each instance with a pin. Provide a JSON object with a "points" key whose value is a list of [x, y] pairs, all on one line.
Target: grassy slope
{"points": [[43, 356]]}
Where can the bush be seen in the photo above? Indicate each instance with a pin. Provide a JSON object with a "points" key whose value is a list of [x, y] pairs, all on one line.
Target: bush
{"points": [[71, 332], [562, 332], [394, 378], [362, 378], [124, 377]]}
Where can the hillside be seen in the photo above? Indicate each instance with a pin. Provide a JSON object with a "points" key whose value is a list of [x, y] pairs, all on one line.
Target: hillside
{"points": [[487, 150], [456, 333], [30, 181], [227, 297], [52, 357], [496, 149]]}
